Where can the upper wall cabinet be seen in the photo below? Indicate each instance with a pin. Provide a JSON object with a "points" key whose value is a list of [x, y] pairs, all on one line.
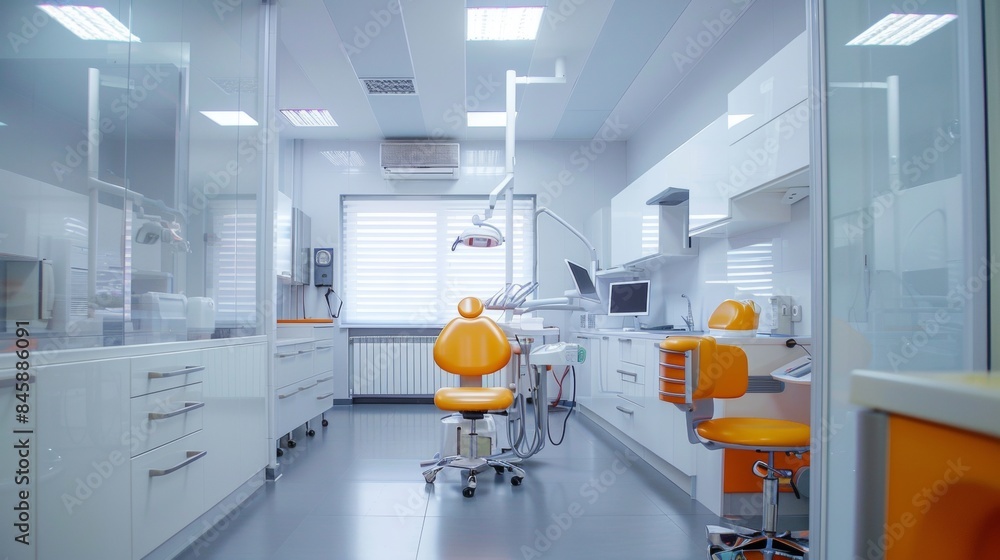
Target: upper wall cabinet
{"points": [[768, 122], [640, 230], [778, 85]]}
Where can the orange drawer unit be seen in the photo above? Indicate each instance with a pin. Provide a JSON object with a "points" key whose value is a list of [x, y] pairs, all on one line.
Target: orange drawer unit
{"points": [[942, 492]]}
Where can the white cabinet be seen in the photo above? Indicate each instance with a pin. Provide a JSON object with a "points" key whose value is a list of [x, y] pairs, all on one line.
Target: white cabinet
{"points": [[18, 452], [703, 160], [775, 150], [625, 396], [640, 230], [627, 222], [110, 432], [762, 143], [303, 376], [83, 480], [168, 491], [235, 394], [777, 86]]}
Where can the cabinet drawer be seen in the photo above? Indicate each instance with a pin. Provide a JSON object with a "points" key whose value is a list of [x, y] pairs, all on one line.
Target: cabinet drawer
{"points": [[166, 371], [322, 394], [630, 374], [168, 487], [292, 363], [298, 402], [323, 356], [631, 351], [162, 417]]}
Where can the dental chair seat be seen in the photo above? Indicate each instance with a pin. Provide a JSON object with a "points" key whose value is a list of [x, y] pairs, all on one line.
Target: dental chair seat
{"points": [[473, 399], [755, 432]]}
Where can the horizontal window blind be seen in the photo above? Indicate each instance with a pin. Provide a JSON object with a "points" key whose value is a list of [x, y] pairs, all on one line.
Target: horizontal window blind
{"points": [[399, 268], [232, 265]]}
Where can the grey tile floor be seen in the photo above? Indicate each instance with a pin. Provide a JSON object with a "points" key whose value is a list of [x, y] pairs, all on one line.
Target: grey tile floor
{"points": [[354, 491]]}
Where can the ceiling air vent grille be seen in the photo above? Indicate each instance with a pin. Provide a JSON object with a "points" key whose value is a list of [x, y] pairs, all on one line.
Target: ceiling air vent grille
{"points": [[389, 86]]}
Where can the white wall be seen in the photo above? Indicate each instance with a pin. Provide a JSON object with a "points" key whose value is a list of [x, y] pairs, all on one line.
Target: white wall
{"points": [[564, 180], [701, 278]]}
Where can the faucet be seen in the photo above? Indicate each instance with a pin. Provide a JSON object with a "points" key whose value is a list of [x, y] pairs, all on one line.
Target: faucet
{"points": [[689, 319]]}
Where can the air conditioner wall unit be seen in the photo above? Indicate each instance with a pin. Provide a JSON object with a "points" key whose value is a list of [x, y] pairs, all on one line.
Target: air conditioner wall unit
{"points": [[419, 160]]}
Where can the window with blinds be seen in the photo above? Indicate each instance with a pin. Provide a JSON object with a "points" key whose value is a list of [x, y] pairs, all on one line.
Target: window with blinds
{"points": [[232, 265], [398, 266]]}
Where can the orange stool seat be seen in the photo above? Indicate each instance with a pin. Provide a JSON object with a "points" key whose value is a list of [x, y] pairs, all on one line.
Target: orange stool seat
{"points": [[763, 432], [473, 399]]}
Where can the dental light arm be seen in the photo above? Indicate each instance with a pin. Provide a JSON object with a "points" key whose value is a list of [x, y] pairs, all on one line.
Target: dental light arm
{"points": [[593, 252], [505, 184]]}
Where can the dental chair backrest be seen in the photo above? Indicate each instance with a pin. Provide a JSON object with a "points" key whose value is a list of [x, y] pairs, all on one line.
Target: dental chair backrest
{"points": [[471, 345], [734, 318]]}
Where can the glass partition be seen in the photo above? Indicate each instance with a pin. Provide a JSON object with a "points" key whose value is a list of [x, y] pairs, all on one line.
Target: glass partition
{"points": [[906, 266], [129, 178]]}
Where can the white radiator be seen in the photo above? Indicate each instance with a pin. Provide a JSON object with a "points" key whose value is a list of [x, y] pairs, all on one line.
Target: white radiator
{"points": [[400, 366]]}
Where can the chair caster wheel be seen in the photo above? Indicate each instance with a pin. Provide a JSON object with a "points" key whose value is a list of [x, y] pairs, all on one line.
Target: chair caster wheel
{"points": [[498, 469], [326, 422], [291, 444], [280, 452], [516, 480], [468, 492], [311, 433]]}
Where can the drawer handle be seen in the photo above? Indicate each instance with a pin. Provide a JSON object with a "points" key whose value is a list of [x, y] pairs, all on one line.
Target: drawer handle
{"points": [[192, 456], [184, 371], [635, 376], [324, 347], [669, 394], [625, 410], [326, 396], [289, 394], [11, 381], [324, 379], [308, 386], [188, 407]]}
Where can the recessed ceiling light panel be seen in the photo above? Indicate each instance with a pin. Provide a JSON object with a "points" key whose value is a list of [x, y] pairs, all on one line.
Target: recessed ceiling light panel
{"points": [[901, 29], [90, 23], [486, 118], [503, 24], [389, 86], [230, 118], [309, 117]]}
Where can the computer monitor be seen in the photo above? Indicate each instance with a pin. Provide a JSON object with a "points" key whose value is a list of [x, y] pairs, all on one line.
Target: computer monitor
{"points": [[629, 298], [581, 279]]}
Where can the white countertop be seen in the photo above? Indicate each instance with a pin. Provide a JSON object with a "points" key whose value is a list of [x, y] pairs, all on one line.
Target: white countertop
{"points": [[967, 400], [511, 329], [740, 340]]}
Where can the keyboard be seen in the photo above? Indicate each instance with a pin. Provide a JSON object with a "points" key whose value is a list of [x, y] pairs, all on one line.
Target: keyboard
{"points": [[659, 328]]}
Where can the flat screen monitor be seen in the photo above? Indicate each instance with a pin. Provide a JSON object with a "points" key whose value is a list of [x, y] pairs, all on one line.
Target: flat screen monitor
{"points": [[629, 298], [581, 279]]}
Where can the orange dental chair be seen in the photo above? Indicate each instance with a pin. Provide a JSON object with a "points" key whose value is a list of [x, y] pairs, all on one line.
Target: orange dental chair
{"points": [[694, 370], [472, 346]]}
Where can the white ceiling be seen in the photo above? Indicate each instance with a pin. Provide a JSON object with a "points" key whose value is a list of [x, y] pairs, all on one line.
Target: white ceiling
{"points": [[619, 57]]}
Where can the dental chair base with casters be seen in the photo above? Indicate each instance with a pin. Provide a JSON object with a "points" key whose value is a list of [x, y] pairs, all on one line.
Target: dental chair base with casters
{"points": [[695, 370], [472, 346]]}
